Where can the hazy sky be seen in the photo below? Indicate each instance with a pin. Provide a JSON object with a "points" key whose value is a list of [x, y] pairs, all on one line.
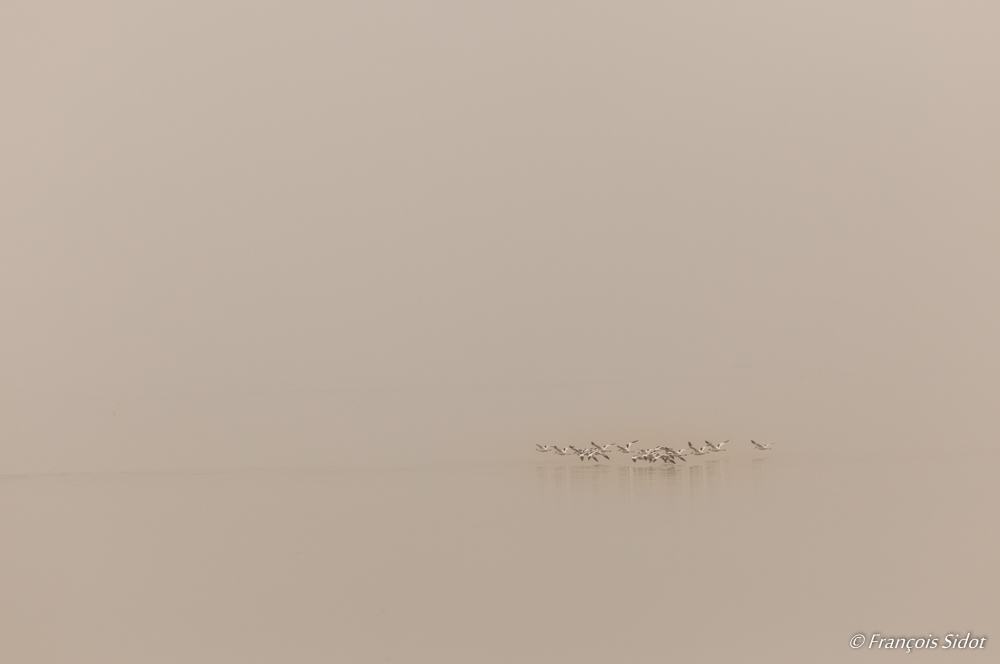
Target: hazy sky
{"points": [[255, 233]]}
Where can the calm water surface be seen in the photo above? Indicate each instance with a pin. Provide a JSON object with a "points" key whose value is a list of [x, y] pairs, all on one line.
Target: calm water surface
{"points": [[746, 557]]}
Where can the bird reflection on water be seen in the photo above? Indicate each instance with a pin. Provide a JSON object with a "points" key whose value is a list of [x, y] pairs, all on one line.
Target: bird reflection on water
{"points": [[649, 485]]}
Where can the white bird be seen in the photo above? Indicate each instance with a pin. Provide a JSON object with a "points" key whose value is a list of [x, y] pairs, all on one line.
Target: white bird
{"points": [[561, 451], [543, 448], [628, 448], [675, 454], [716, 448], [696, 450], [761, 447]]}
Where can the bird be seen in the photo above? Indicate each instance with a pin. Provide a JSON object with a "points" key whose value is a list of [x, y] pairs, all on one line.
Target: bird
{"points": [[674, 454], [642, 455], [696, 450], [664, 457], [592, 454], [628, 448], [652, 454], [716, 448]]}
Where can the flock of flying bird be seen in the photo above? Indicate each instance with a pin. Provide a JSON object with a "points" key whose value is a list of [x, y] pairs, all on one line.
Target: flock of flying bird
{"points": [[652, 455]]}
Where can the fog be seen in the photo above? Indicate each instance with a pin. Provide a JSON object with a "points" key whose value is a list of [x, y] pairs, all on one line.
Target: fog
{"points": [[271, 235], [289, 292]]}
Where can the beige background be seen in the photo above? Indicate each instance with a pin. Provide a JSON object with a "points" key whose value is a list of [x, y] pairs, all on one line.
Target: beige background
{"points": [[289, 291], [273, 234]]}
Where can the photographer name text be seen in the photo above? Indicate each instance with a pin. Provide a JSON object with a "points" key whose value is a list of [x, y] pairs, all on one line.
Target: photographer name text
{"points": [[929, 642]]}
